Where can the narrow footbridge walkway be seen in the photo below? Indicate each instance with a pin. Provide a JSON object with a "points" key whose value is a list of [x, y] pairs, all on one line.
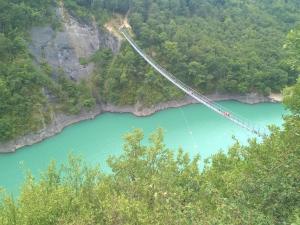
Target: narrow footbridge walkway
{"points": [[242, 122]]}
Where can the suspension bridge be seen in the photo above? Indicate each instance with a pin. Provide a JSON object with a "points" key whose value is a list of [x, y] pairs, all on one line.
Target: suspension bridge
{"points": [[242, 122]]}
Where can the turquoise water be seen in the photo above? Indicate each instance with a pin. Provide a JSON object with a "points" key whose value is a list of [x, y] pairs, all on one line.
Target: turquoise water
{"points": [[194, 127]]}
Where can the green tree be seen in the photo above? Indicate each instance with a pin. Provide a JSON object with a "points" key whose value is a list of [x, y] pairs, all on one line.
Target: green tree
{"points": [[292, 47], [292, 98]]}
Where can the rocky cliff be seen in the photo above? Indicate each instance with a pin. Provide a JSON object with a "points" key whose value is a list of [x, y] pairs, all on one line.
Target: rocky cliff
{"points": [[63, 48]]}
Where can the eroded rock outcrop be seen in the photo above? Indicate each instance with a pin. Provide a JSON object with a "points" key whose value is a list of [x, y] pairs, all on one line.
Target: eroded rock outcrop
{"points": [[65, 47]]}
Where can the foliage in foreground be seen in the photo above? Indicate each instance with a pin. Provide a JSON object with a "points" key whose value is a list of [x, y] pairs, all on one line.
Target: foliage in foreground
{"points": [[255, 184]]}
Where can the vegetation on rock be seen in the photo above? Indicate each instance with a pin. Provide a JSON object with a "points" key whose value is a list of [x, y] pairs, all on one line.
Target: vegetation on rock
{"points": [[24, 87], [21, 85]]}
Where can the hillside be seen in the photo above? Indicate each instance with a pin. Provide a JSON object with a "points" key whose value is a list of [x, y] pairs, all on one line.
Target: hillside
{"points": [[58, 57], [214, 46]]}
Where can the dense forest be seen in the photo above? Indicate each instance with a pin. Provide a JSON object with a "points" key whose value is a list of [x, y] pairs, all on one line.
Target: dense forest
{"points": [[254, 184], [224, 46]]}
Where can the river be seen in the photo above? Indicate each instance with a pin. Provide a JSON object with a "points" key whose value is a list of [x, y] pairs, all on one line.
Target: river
{"points": [[195, 128]]}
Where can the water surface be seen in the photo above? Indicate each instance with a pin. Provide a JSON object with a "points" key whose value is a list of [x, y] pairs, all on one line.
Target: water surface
{"points": [[195, 128]]}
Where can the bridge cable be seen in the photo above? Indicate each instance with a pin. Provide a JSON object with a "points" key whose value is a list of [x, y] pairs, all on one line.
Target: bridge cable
{"points": [[190, 91]]}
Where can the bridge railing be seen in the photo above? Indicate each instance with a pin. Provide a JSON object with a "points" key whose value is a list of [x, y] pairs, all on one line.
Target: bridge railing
{"points": [[190, 91]]}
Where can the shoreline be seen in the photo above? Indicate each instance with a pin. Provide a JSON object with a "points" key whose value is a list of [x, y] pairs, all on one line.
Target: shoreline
{"points": [[62, 121]]}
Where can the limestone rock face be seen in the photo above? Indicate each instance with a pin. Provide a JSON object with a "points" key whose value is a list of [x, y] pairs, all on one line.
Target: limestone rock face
{"points": [[64, 48]]}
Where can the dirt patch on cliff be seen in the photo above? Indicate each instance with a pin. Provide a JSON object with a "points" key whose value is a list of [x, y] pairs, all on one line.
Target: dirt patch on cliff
{"points": [[114, 24], [276, 97]]}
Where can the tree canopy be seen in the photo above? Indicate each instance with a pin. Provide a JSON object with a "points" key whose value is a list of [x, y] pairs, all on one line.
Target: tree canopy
{"points": [[214, 46]]}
